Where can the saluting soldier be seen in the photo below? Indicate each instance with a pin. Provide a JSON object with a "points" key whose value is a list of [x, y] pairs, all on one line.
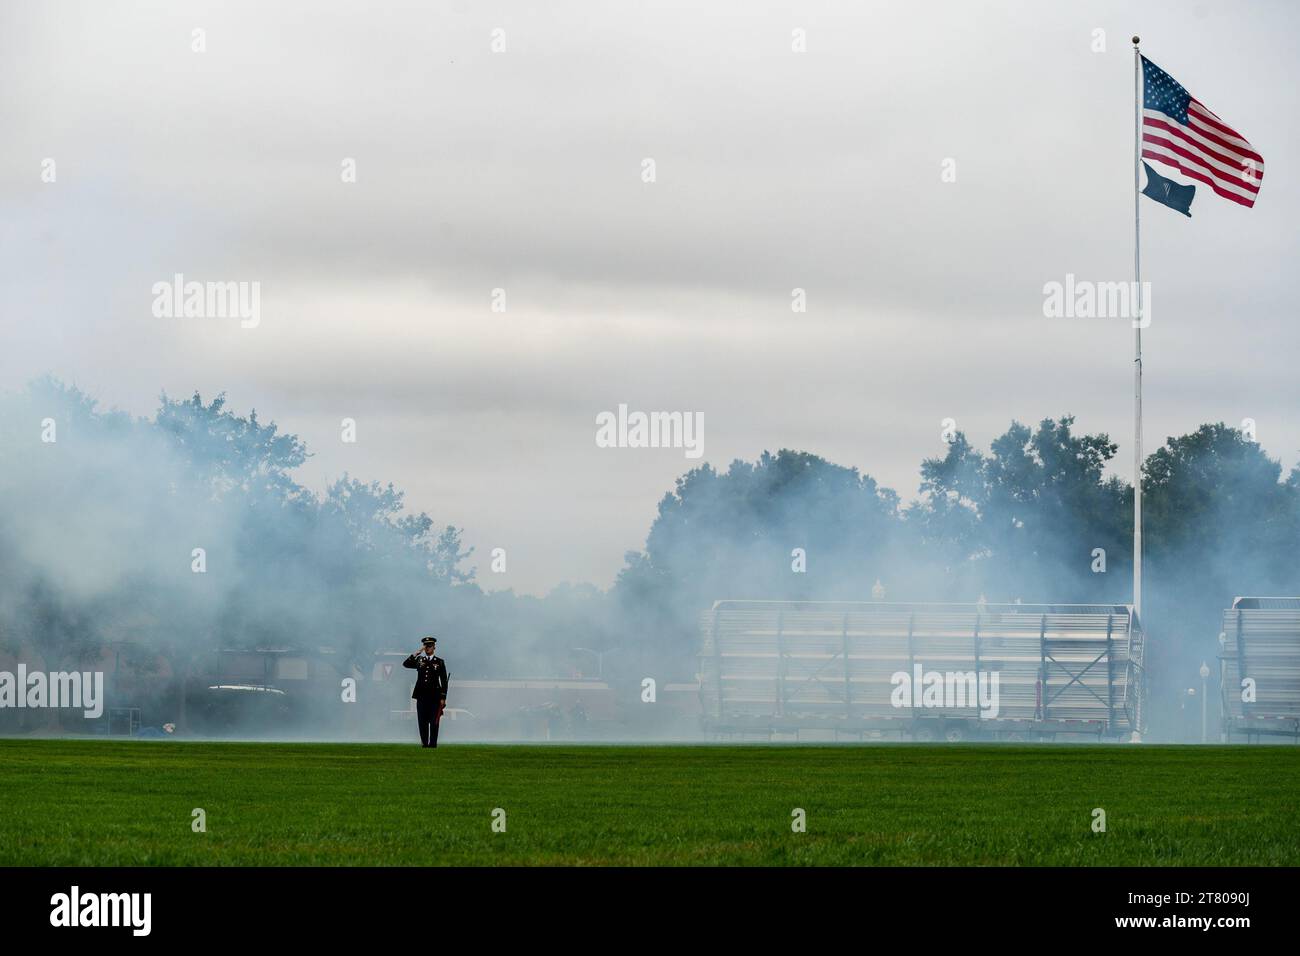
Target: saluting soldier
{"points": [[430, 693]]}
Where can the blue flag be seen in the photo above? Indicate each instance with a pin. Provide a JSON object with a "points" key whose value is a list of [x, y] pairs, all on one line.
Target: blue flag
{"points": [[1169, 193]]}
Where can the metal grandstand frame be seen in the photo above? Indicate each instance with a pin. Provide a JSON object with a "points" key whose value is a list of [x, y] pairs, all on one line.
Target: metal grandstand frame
{"points": [[1261, 643], [770, 667]]}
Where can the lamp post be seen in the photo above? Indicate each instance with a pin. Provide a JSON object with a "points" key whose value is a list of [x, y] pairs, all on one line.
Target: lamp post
{"points": [[1205, 676], [1223, 650]]}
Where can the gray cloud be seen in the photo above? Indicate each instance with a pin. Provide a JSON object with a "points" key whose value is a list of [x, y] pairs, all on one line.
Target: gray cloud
{"points": [[521, 170]]}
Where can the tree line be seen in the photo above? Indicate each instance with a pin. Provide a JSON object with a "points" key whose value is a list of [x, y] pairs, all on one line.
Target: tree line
{"points": [[169, 536]]}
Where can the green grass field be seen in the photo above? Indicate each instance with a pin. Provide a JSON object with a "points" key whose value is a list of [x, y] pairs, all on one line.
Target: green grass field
{"points": [[82, 802]]}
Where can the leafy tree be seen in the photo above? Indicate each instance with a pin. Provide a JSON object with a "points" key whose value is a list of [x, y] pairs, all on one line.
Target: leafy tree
{"points": [[1025, 520], [734, 534], [1218, 523]]}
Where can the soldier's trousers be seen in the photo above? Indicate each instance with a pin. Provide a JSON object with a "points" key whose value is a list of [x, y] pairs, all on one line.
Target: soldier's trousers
{"points": [[426, 714]]}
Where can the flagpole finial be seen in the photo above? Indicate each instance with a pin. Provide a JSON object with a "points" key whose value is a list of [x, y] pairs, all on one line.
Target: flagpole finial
{"points": [[1137, 40]]}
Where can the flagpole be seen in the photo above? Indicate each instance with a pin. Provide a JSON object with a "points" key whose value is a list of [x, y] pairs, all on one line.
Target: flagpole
{"points": [[1137, 331]]}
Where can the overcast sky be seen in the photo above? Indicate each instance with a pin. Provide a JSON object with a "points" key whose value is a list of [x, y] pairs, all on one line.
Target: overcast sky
{"points": [[523, 170]]}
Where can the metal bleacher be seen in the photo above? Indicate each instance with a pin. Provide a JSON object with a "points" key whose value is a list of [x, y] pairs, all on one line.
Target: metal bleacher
{"points": [[780, 666], [1260, 667]]}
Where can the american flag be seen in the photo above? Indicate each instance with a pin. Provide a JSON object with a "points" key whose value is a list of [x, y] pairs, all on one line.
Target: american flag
{"points": [[1179, 131]]}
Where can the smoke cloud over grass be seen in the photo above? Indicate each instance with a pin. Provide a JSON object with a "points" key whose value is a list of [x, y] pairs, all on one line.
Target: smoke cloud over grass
{"points": [[154, 546]]}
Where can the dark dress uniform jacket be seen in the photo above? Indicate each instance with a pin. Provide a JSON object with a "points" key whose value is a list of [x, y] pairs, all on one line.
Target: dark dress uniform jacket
{"points": [[431, 681]]}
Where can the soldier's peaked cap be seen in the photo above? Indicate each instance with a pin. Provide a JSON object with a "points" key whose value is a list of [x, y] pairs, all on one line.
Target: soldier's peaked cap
{"points": [[428, 641]]}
